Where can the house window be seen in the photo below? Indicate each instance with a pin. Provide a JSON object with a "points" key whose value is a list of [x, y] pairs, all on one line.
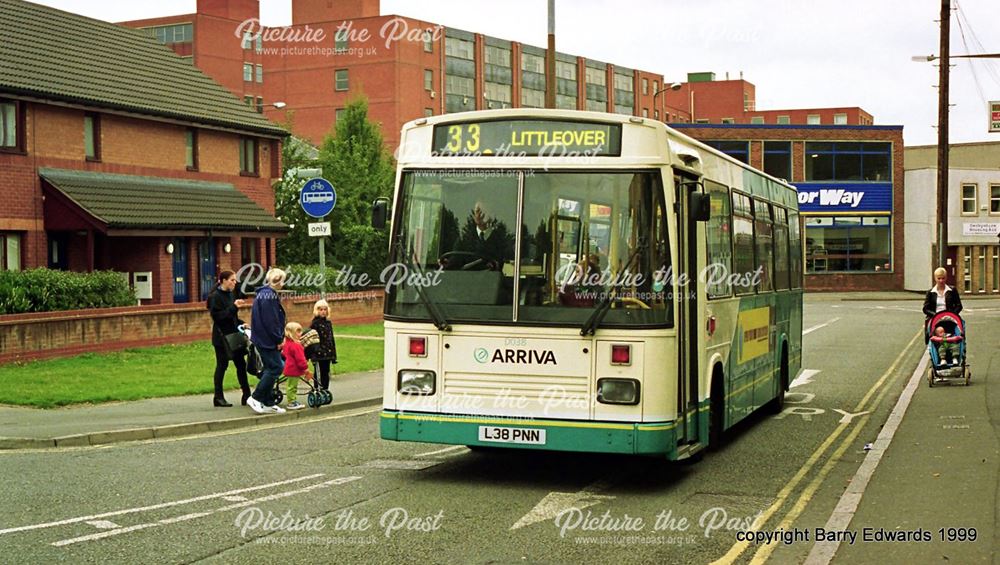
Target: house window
{"points": [[247, 40], [248, 156], [247, 72], [995, 199], [340, 80], [179, 33], [10, 251], [981, 278], [996, 269], [702, 121], [92, 136], [645, 87], [656, 114], [260, 73], [11, 125], [967, 269], [248, 100], [260, 104], [259, 47], [969, 199], [340, 41], [428, 42], [191, 148], [784, 120], [813, 119], [840, 119], [757, 120], [645, 112], [727, 121], [337, 114], [428, 112], [428, 79]]}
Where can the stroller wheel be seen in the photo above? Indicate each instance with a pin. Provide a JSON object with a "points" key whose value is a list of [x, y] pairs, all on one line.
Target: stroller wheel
{"points": [[311, 400], [278, 397], [930, 378], [327, 397]]}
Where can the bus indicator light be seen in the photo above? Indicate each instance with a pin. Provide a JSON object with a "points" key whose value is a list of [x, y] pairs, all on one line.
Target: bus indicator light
{"points": [[711, 326], [418, 347], [621, 354]]}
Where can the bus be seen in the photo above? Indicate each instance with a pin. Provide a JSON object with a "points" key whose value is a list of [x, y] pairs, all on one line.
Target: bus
{"points": [[581, 281]]}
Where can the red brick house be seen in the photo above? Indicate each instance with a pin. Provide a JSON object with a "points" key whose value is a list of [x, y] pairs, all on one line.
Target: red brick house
{"points": [[117, 154]]}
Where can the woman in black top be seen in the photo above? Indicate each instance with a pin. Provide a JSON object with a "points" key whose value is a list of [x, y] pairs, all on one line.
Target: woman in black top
{"points": [[224, 308], [941, 296]]}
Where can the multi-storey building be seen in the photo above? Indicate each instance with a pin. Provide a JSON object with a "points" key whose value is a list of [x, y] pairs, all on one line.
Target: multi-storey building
{"points": [[117, 154], [973, 253], [850, 182]]}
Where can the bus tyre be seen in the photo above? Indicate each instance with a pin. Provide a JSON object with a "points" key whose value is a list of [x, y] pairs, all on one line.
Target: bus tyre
{"points": [[777, 404], [716, 413]]}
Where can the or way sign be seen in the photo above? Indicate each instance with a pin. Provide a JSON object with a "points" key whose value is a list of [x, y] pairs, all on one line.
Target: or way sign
{"points": [[320, 229], [318, 197]]}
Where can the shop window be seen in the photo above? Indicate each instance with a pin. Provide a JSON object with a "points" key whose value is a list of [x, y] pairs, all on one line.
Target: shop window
{"points": [[191, 148], [743, 248], [10, 251], [968, 200], [981, 279], [92, 136], [11, 125], [739, 150], [248, 156], [848, 161], [967, 269], [764, 240], [995, 199], [718, 237], [778, 159], [848, 244]]}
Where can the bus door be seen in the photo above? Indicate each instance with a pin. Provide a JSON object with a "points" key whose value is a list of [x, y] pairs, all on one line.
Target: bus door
{"points": [[691, 209]]}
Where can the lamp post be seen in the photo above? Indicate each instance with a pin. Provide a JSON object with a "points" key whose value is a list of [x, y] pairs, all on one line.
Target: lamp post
{"points": [[674, 86]]}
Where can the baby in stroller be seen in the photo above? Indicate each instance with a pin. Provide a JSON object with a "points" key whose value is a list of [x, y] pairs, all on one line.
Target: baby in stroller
{"points": [[946, 347]]}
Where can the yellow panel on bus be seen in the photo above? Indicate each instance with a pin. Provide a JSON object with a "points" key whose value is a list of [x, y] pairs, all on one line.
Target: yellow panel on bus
{"points": [[754, 325]]}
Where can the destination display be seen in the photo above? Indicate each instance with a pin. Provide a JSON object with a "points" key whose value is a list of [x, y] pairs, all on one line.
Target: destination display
{"points": [[528, 138]]}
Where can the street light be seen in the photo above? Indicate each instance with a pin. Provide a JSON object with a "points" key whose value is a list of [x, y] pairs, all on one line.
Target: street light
{"points": [[674, 86]]}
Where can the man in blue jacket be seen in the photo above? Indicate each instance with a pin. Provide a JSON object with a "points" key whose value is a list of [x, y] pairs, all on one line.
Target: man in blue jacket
{"points": [[268, 320]]}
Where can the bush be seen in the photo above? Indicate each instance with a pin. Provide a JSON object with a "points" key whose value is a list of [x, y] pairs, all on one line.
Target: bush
{"points": [[44, 290]]}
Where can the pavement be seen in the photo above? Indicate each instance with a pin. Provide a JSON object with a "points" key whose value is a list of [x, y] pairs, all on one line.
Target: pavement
{"points": [[164, 417]]}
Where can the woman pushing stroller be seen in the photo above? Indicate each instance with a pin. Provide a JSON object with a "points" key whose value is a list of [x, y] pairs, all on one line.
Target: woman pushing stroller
{"points": [[945, 331]]}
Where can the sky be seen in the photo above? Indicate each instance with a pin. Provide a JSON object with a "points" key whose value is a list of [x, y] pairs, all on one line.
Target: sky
{"points": [[798, 53]]}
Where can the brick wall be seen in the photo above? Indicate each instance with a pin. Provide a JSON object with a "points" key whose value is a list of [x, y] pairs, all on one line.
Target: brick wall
{"points": [[27, 337]]}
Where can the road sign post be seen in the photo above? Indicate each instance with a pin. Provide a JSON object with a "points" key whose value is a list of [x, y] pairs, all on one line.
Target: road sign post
{"points": [[318, 198]]}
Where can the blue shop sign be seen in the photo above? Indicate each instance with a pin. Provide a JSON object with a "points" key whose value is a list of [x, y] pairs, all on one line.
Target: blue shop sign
{"points": [[844, 197]]}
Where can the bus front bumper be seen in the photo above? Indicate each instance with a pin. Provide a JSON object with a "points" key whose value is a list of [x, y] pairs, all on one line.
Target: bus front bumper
{"points": [[559, 435]]}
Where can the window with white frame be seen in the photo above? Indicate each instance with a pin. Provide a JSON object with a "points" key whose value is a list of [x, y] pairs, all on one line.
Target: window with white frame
{"points": [[248, 72], [10, 251], [981, 279], [340, 80], [784, 120], [756, 119], [813, 120], [969, 199], [840, 119], [995, 199], [428, 79], [967, 270], [260, 73], [247, 40]]}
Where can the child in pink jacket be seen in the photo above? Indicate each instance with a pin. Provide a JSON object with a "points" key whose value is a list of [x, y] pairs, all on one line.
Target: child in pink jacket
{"points": [[296, 366]]}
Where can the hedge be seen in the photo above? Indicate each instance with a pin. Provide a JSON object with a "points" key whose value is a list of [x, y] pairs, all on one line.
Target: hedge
{"points": [[45, 290]]}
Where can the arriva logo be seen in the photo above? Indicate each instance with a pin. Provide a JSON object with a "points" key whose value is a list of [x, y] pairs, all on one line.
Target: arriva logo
{"points": [[518, 356], [832, 197]]}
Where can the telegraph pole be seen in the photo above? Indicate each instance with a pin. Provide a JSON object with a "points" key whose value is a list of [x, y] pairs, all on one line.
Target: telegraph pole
{"points": [[550, 59], [942, 195]]}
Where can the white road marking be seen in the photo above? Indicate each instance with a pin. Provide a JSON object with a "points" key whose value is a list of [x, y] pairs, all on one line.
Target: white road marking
{"points": [[192, 516], [804, 378], [848, 416], [445, 450], [806, 413], [103, 524], [814, 328], [556, 503], [156, 506], [823, 552], [236, 498]]}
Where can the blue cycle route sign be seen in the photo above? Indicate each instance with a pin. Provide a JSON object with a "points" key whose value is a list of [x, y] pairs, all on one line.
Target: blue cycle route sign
{"points": [[318, 197]]}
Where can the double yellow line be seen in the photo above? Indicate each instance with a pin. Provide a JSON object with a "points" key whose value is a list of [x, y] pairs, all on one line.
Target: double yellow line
{"points": [[807, 493]]}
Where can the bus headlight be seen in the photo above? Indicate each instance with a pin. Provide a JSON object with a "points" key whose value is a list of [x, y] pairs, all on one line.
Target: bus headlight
{"points": [[416, 382], [618, 391]]}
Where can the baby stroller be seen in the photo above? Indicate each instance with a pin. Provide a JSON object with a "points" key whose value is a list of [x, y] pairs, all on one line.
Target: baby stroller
{"points": [[947, 370], [314, 399]]}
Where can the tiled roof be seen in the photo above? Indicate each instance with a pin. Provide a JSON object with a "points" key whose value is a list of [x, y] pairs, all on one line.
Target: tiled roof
{"points": [[127, 201], [55, 55]]}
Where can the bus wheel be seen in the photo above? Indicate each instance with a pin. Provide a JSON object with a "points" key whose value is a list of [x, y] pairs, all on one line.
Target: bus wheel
{"points": [[716, 413], [777, 404]]}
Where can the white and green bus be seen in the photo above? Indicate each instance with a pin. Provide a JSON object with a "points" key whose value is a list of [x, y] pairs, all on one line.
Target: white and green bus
{"points": [[582, 281]]}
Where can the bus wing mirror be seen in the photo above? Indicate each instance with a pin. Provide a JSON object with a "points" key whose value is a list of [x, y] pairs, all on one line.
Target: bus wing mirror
{"points": [[701, 208], [380, 212]]}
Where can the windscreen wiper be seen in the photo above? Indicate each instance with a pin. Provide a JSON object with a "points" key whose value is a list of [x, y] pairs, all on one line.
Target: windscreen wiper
{"points": [[590, 326], [432, 308]]}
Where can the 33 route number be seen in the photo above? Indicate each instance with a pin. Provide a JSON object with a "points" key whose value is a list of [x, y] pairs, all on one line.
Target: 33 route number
{"points": [[463, 138]]}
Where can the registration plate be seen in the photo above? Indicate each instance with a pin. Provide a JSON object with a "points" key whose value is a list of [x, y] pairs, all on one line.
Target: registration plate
{"points": [[512, 435]]}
